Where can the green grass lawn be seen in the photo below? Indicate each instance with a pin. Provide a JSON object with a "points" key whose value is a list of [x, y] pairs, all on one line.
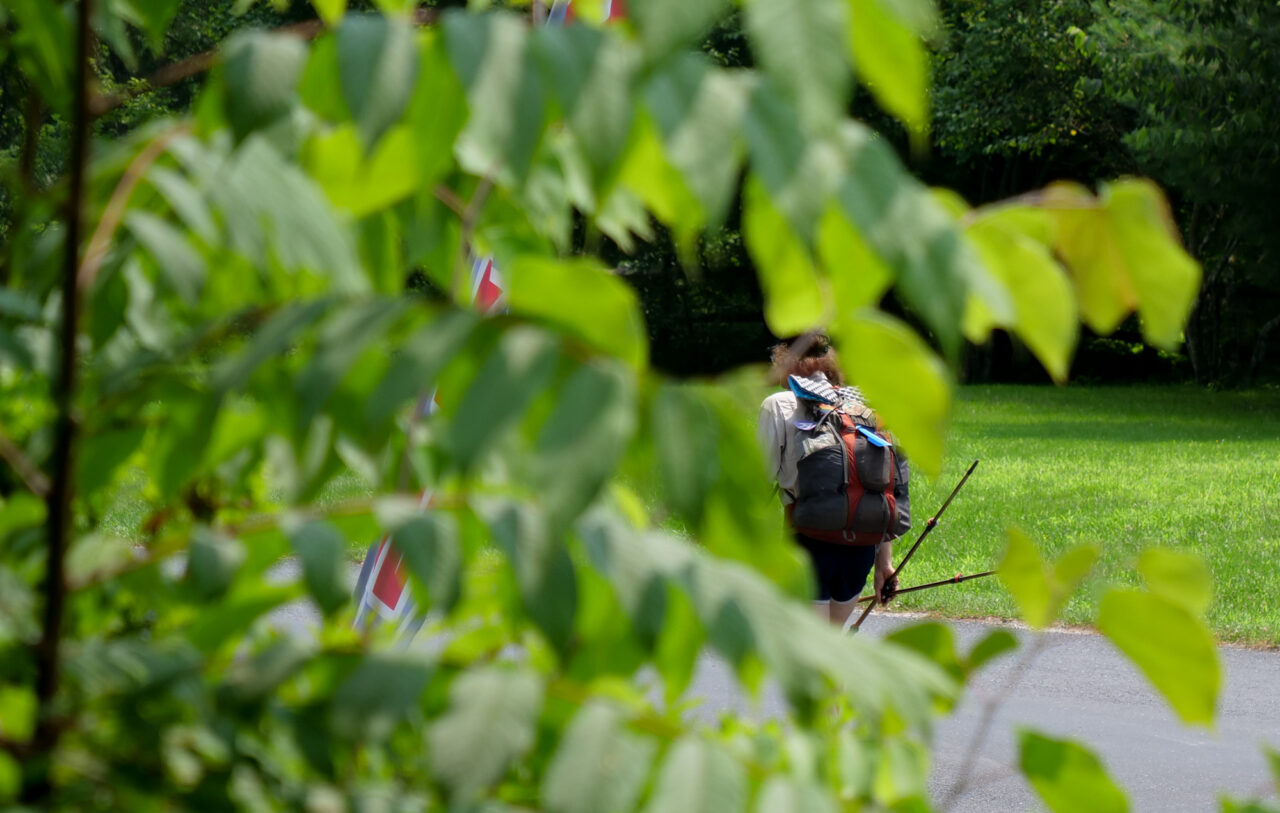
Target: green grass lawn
{"points": [[1124, 468]]}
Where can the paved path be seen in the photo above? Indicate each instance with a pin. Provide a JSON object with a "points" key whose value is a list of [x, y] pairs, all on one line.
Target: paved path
{"points": [[1078, 687]]}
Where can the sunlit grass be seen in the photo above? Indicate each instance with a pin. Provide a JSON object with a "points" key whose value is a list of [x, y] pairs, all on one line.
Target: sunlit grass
{"points": [[1124, 468]]}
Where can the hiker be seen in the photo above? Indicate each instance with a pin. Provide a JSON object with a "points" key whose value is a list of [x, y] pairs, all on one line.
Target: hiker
{"points": [[802, 431]]}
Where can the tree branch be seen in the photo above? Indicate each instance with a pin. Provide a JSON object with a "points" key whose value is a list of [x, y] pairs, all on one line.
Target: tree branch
{"points": [[27, 471], [37, 781]]}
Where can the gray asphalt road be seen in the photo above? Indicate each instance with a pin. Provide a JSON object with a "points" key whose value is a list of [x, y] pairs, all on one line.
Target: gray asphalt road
{"points": [[1077, 687]]}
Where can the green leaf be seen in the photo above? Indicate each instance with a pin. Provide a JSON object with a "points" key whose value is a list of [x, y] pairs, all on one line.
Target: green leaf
{"points": [[504, 92], [544, 572], [254, 679], [1068, 776], [697, 109], [361, 187], [1171, 646], [784, 794], [793, 296], [599, 765], [437, 110], [343, 337], [891, 60], [1123, 252], [44, 44], [935, 641], [801, 47], [490, 723], [101, 454], [261, 72], [1182, 578], [431, 552], [330, 11], [668, 25], [582, 297], [212, 563], [684, 439], [379, 695], [580, 444], [909, 229], [904, 382], [1044, 305], [152, 16], [178, 262], [322, 552], [19, 305], [187, 202], [378, 65], [1039, 590], [230, 620], [515, 372], [698, 777], [859, 276], [993, 645], [418, 361], [270, 341]]}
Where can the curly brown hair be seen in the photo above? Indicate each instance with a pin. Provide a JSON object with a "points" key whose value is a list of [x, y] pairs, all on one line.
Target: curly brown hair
{"points": [[803, 356]]}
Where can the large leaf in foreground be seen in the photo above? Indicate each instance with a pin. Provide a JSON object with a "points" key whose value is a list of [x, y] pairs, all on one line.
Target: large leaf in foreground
{"points": [[1067, 776], [1172, 647]]}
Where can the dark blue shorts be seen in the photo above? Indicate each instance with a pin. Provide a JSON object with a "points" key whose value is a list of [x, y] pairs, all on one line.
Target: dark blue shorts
{"points": [[839, 570]]}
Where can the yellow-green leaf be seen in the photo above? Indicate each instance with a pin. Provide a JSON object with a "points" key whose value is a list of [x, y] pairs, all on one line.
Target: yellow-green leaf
{"points": [[1068, 777], [891, 61], [335, 159], [1044, 304], [1180, 577], [330, 11], [1172, 647], [1039, 590], [859, 277], [583, 297], [793, 298], [904, 381]]}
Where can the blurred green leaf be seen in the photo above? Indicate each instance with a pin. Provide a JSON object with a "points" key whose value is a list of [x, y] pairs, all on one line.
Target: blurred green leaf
{"points": [[784, 794], [859, 276], [891, 61], [437, 110], [271, 340], [213, 560], [514, 373], [1123, 252], [904, 382], [231, 619], [1171, 646], [801, 47], [379, 695], [1067, 776], [261, 72], [43, 43], [418, 361], [582, 297], [378, 65], [342, 338], [253, 679], [178, 262], [579, 445], [697, 110], [492, 58], [1183, 578], [1039, 590], [793, 295], [993, 645], [490, 723], [598, 766], [934, 641], [187, 202], [684, 437], [431, 552], [322, 552], [697, 776], [1044, 304], [330, 11], [544, 572], [668, 25], [152, 16]]}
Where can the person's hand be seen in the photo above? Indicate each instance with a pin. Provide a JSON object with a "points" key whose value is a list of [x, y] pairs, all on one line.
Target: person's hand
{"points": [[886, 582]]}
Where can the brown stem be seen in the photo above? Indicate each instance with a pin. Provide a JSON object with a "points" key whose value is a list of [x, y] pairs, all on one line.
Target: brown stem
{"points": [[27, 471], [36, 780], [114, 213]]}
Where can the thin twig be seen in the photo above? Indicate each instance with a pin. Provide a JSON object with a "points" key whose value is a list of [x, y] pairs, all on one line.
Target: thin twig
{"points": [[114, 213], [964, 778], [37, 782], [34, 479], [469, 218]]}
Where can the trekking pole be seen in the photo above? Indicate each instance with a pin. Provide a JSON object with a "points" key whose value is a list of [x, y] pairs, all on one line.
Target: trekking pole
{"points": [[956, 579], [929, 526]]}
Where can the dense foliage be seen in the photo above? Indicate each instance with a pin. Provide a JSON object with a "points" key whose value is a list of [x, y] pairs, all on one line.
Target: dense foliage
{"points": [[209, 311]]}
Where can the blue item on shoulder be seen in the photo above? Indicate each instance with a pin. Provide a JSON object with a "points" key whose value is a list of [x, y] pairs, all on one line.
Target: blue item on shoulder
{"points": [[875, 439]]}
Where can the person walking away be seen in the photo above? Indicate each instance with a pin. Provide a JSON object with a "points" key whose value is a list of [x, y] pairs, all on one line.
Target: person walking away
{"points": [[843, 484]]}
